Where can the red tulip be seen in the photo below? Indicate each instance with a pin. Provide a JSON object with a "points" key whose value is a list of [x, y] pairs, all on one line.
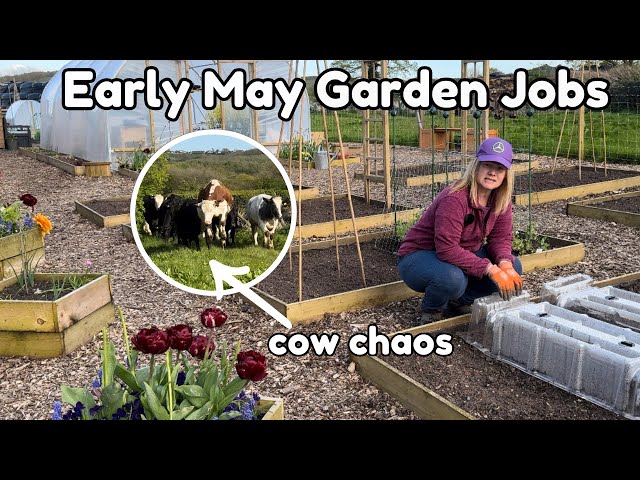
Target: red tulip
{"points": [[213, 316], [199, 346], [29, 200], [151, 340], [251, 366], [180, 336]]}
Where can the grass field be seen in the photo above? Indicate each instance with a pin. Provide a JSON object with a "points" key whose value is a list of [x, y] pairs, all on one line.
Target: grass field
{"points": [[190, 267], [621, 130]]}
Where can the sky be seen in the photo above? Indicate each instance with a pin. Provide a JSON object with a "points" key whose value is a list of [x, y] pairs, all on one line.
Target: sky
{"points": [[208, 142], [440, 68]]}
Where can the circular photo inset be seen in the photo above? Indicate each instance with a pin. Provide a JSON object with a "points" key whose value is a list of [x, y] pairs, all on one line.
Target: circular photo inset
{"points": [[212, 195]]}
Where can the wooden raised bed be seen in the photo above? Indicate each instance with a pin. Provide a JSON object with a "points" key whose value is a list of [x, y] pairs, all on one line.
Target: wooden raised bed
{"points": [[38, 328], [125, 172], [273, 408], [585, 209], [418, 180], [64, 162], [127, 232], [564, 252], [306, 193], [102, 221], [10, 247], [426, 403], [326, 229], [578, 190]]}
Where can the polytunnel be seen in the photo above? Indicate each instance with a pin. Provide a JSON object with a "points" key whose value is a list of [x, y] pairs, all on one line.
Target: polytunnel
{"points": [[105, 135], [24, 112]]}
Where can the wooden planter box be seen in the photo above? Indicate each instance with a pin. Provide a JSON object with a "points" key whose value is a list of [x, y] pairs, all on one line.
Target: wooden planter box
{"points": [[584, 209], [419, 180], [10, 246], [127, 232], [88, 168], [273, 408], [306, 193], [578, 190], [125, 172], [423, 401], [564, 252], [326, 229], [38, 328], [100, 220]]}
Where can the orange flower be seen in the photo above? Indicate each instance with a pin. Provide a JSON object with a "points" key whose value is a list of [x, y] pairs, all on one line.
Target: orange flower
{"points": [[44, 223]]}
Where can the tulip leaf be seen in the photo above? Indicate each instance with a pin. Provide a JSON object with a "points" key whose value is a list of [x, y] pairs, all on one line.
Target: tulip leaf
{"points": [[201, 413], [155, 405], [108, 359], [182, 413], [127, 377], [190, 390], [229, 415], [232, 390], [74, 395], [112, 398]]}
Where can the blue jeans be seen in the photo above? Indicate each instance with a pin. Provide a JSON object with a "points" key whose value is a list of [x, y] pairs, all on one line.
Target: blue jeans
{"points": [[422, 271]]}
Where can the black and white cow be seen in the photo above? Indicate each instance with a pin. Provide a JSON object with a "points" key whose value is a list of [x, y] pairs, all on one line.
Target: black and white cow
{"points": [[151, 204], [167, 215], [263, 213]]}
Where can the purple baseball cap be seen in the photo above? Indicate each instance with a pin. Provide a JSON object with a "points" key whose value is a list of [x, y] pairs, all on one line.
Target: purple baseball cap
{"points": [[495, 150]]}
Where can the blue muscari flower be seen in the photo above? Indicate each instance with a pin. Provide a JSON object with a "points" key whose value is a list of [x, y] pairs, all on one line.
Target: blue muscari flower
{"points": [[28, 222], [94, 410], [241, 395], [57, 410], [255, 396], [97, 382], [247, 411], [182, 377], [8, 226], [78, 408]]}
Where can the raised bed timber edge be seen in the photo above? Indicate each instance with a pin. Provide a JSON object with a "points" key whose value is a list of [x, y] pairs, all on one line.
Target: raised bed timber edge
{"points": [[125, 172], [306, 193], [87, 169], [273, 408], [423, 401], [102, 221], [419, 180], [578, 190], [37, 328], [10, 247], [326, 229], [584, 209], [564, 252]]}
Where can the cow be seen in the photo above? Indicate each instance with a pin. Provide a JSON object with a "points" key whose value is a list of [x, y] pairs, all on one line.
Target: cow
{"points": [[214, 190], [187, 224], [167, 215], [263, 213], [213, 215], [151, 206]]}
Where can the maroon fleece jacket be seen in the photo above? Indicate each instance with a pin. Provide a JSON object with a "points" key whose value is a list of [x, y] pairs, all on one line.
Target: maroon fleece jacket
{"points": [[455, 229]]}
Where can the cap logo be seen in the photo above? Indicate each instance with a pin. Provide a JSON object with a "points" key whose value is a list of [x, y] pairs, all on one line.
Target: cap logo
{"points": [[498, 147]]}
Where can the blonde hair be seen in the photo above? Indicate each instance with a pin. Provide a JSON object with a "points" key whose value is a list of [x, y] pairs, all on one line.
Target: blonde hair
{"points": [[501, 195]]}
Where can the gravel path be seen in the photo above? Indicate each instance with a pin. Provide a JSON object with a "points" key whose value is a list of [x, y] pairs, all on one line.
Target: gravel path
{"points": [[312, 387]]}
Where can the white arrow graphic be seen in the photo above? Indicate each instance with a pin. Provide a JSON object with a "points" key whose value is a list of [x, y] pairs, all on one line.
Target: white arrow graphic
{"points": [[224, 273]]}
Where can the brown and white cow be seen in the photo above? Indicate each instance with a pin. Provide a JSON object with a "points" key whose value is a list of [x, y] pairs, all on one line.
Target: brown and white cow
{"points": [[218, 194]]}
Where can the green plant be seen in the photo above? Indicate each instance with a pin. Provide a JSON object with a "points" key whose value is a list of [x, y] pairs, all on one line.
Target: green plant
{"points": [[177, 390], [36, 135], [309, 149], [136, 160], [528, 241], [403, 226]]}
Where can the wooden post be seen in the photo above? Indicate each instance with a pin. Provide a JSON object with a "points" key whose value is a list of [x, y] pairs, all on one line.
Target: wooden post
{"points": [[386, 148], [485, 114], [152, 128], [463, 119], [190, 119], [178, 76], [304, 74], [254, 112], [581, 130]]}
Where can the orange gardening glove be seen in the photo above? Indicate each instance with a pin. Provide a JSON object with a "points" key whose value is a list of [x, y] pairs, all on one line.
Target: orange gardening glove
{"points": [[502, 281], [507, 267]]}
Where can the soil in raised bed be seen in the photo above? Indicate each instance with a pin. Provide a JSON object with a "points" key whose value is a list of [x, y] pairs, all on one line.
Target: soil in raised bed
{"points": [[319, 210], [630, 286], [566, 178], [320, 275], [628, 204], [423, 170], [42, 290], [489, 389], [108, 208]]}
